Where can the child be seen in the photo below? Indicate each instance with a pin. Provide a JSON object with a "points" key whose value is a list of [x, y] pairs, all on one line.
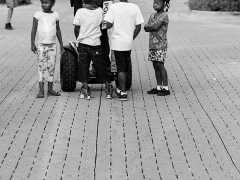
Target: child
{"points": [[76, 4], [126, 19], [87, 23], [157, 26], [46, 25], [104, 37]]}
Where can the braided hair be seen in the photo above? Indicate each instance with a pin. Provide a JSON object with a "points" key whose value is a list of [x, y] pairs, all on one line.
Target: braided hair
{"points": [[167, 4]]}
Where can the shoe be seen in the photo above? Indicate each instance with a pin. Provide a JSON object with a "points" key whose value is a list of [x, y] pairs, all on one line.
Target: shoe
{"points": [[40, 95], [163, 92], [85, 93], [109, 92], [41, 90], [153, 91], [122, 97], [53, 93], [8, 26]]}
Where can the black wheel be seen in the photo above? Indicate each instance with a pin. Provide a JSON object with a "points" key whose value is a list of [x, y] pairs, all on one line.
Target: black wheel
{"points": [[68, 70]]}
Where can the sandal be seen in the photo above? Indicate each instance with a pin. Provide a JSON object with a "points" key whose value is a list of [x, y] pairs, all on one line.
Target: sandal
{"points": [[53, 93], [40, 96]]}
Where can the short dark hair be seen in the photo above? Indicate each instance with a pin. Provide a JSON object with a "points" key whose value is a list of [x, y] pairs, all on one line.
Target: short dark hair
{"points": [[53, 1], [89, 1]]}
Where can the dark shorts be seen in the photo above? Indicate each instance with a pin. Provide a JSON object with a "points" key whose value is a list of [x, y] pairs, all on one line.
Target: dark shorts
{"points": [[122, 60], [95, 54]]}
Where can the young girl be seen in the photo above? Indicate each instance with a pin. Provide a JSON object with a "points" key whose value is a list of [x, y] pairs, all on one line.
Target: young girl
{"points": [[157, 26], [46, 25]]}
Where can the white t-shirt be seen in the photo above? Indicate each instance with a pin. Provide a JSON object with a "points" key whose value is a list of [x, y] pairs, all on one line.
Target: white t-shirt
{"points": [[46, 30], [89, 22], [125, 17]]}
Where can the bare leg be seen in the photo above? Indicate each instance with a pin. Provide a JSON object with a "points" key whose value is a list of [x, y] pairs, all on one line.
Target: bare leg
{"points": [[156, 66], [85, 85], [41, 90], [85, 91], [9, 15], [122, 81], [107, 85], [108, 90], [164, 91], [51, 92], [164, 74]]}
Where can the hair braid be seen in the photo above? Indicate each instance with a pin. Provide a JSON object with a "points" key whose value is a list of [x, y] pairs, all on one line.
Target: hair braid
{"points": [[167, 2]]}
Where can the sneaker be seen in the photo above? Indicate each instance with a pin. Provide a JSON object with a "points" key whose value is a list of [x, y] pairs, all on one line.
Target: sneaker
{"points": [[85, 93], [109, 92], [8, 26], [122, 97], [163, 92], [153, 91]]}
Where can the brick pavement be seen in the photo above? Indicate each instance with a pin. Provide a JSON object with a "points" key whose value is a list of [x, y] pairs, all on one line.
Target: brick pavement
{"points": [[191, 134]]}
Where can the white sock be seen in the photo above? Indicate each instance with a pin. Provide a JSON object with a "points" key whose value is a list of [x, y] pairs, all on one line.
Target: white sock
{"points": [[118, 91], [159, 87], [165, 87], [123, 93]]}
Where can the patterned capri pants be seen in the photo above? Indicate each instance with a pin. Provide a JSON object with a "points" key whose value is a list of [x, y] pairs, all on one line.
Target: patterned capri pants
{"points": [[46, 61]]}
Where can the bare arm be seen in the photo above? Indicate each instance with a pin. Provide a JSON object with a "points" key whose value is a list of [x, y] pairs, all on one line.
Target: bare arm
{"points": [[153, 27], [136, 31], [59, 36], [33, 35], [76, 31]]}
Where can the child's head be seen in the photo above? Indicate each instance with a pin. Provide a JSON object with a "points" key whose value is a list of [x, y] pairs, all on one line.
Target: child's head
{"points": [[89, 1], [47, 5], [159, 5]]}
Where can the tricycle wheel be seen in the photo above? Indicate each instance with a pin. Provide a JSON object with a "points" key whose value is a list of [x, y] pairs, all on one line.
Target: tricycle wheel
{"points": [[68, 70]]}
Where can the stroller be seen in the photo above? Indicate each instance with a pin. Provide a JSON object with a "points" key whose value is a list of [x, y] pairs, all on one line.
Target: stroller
{"points": [[69, 63], [69, 70]]}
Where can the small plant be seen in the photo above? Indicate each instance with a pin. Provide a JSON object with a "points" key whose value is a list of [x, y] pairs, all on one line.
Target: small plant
{"points": [[214, 5]]}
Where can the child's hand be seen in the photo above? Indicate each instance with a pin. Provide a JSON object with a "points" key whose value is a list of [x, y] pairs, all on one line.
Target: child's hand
{"points": [[146, 27], [61, 50], [34, 48]]}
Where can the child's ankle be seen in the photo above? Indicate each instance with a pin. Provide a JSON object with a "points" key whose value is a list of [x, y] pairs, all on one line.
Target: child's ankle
{"points": [[159, 87], [123, 92], [165, 87]]}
